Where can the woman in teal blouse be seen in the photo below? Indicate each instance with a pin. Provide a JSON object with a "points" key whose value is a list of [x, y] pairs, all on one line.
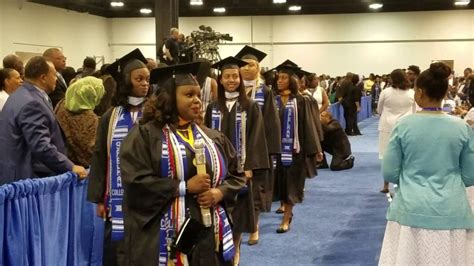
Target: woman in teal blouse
{"points": [[430, 157]]}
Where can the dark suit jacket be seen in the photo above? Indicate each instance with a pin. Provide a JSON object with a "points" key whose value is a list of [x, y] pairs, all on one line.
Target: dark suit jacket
{"points": [[335, 141], [31, 141], [59, 93]]}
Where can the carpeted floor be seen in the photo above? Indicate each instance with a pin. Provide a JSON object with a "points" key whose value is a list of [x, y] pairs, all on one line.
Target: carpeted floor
{"points": [[340, 222]]}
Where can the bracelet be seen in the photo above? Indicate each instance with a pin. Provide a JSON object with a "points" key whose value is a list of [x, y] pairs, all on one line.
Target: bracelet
{"points": [[182, 188]]}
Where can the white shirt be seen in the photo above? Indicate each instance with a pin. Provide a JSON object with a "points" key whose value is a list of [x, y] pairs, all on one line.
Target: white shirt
{"points": [[3, 99], [448, 104], [318, 96], [394, 104], [231, 98]]}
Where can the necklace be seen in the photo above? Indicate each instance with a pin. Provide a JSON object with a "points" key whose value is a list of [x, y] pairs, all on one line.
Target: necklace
{"points": [[433, 109]]}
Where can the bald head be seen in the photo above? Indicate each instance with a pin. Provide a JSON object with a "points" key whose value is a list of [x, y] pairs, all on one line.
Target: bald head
{"points": [[14, 62], [57, 57]]}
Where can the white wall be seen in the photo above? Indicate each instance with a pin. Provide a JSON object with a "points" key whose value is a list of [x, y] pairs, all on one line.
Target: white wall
{"points": [[34, 28], [128, 33], [333, 44], [363, 43]]}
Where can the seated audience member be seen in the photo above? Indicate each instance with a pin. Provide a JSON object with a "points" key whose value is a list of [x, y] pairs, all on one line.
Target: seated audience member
{"points": [[31, 140], [10, 80], [77, 119], [335, 143]]}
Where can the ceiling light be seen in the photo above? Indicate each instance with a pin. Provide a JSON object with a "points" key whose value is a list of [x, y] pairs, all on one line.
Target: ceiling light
{"points": [[375, 6], [294, 8], [116, 4], [462, 2], [196, 3], [219, 9], [279, 1], [145, 11]]}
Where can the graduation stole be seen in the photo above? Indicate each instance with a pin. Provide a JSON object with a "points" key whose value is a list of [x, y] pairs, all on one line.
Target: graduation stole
{"points": [[174, 164], [259, 97], [121, 122], [289, 130], [206, 94], [256, 94], [239, 140]]}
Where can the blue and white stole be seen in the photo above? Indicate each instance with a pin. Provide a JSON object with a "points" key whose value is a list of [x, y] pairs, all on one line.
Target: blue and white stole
{"points": [[239, 138], [121, 122], [174, 164], [256, 94], [289, 130]]}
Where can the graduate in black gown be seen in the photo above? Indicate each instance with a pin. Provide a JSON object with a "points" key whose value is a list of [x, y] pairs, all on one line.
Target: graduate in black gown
{"points": [[336, 143], [298, 142], [257, 91], [240, 119], [311, 162], [105, 184], [162, 185]]}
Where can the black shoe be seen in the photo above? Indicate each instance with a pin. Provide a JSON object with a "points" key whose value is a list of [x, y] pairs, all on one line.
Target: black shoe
{"points": [[282, 230]]}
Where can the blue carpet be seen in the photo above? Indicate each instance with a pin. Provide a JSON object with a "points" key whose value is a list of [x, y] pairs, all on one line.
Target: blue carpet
{"points": [[340, 222]]}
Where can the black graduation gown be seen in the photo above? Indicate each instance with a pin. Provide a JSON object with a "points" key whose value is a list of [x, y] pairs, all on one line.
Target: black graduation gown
{"points": [[256, 158], [98, 170], [289, 181], [311, 163], [263, 179], [148, 195], [97, 185]]}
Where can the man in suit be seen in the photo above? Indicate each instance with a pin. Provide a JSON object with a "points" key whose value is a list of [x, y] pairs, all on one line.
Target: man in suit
{"points": [[31, 142], [335, 143], [350, 101], [58, 59]]}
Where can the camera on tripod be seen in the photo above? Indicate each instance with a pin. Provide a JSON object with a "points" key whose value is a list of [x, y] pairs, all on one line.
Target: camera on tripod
{"points": [[206, 33], [205, 42]]}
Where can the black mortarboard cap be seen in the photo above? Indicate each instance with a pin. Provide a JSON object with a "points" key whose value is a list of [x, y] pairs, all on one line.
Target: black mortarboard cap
{"points": [[116, 68], [301, 73], [229, 62], [162, 74], [288, 62], [288, 67], [250, 52]]}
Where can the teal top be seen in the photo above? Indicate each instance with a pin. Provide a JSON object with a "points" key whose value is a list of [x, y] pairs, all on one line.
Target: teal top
{"points": [[431, 158]]}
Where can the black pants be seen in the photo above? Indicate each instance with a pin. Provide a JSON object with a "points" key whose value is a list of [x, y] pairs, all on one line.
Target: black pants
{"points": [[113, 250], [337, 163], [350, 115]]}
